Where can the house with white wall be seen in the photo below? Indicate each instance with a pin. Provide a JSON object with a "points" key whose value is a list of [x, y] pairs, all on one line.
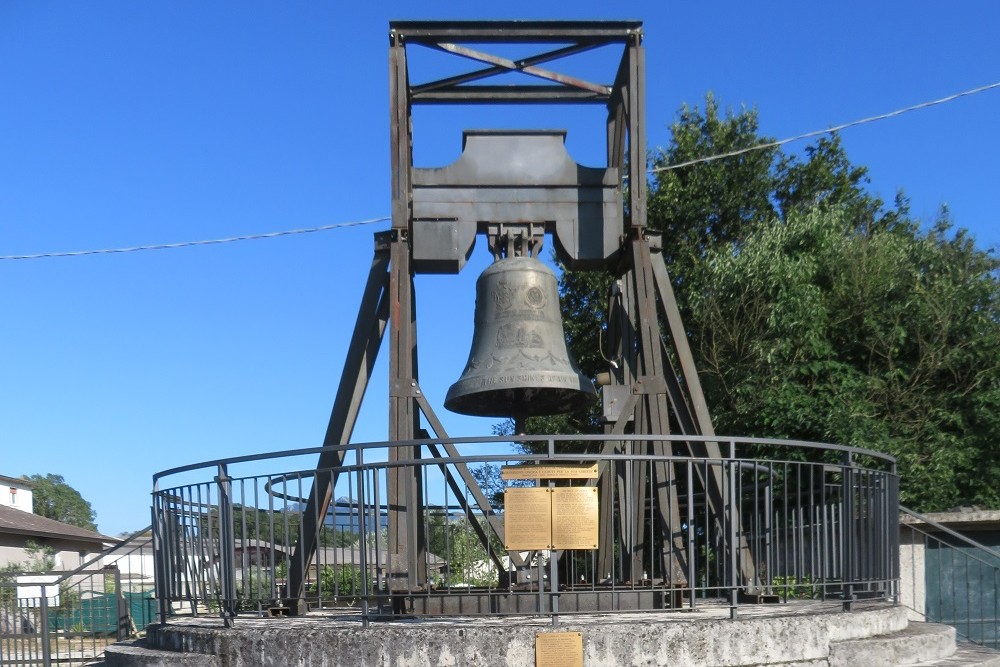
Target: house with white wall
{"points": [[16, 493], [21, 529]]}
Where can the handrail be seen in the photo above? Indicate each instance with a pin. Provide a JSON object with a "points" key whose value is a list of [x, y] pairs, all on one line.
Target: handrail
{"points": [[794, 526], [118, 545], [77, 610], [503, 439], [948, 531]]}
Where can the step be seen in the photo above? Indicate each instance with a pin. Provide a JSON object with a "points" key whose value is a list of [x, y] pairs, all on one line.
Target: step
{"points": [[917, 643], [138, 654], [967, 655]]}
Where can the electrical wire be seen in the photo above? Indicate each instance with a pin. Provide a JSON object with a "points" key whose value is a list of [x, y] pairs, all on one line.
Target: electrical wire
{"points": [[669, 167], [189, 244], [817, 133]]}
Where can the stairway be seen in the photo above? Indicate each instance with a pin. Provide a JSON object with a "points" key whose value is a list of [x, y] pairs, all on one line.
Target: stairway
{"points": [[919, 644], [138, 654]]}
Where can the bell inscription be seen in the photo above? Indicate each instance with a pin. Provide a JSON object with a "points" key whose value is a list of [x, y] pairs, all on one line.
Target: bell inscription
{"points": [[515, 335]]}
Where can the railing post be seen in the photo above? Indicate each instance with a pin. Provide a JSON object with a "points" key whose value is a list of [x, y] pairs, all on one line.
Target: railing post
{"points": [[227, 546], [363, 541], [731, 515], [691, 548], [892, 488], [162, 570], [121, 605], [553, 575], [848, 526], [43, 622]]}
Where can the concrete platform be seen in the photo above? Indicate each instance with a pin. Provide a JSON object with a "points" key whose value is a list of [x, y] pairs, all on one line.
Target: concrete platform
{"points": [[796, 634]]}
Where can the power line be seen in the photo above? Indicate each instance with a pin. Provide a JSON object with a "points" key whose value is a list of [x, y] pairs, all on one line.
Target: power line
{"points": [[669, 167], [188, 244], [817, 133]]}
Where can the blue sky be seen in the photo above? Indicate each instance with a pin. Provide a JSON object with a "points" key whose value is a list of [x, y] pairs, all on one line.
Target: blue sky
{"points": [[125, 123]]}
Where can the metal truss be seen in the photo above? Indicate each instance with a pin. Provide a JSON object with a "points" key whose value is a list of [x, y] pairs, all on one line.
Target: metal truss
{"points": [[656, 384]]}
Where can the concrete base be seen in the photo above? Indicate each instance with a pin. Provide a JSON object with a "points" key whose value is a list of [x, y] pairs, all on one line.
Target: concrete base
{"points": [[798, 634]]}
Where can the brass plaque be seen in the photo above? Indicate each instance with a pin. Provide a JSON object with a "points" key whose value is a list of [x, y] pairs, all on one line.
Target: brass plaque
{"points": [[574, 517], [549, 472], [527, 521], [558, 649]]}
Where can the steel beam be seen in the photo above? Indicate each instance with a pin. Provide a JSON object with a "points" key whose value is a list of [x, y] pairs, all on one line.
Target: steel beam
{"points": [[365, 342], [716, 484], [514, 32], [487, 72], [406, 543], [495, 522], [406, 527], [509, 95]]}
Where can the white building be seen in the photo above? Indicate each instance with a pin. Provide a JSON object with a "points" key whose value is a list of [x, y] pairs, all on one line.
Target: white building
{"points": [[21, 531], [16, 493]]}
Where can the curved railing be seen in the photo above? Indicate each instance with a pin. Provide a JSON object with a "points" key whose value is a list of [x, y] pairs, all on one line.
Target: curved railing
{"points": [[765, 521]]}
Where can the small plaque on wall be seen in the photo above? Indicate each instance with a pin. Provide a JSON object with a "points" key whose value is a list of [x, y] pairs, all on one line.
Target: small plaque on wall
{"points": [[527, 519], [559, 649], [569, 471], [574, 517]]}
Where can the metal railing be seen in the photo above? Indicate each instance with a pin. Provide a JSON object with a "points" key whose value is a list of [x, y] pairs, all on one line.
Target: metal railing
{"points": [[786, 520], [68, 617], [950, 578]]}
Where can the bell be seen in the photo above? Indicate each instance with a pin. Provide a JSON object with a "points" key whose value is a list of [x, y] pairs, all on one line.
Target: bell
{"points": [[519, 365]]}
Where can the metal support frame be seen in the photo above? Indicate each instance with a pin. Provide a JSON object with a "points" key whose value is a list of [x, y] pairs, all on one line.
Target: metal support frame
{"points": [[656, 388]]}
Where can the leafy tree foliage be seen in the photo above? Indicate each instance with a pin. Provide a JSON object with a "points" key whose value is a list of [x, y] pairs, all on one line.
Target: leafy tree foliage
{"points": [[887, 340], [53, 498], [282, 526], [817, 312], [454, 540]]}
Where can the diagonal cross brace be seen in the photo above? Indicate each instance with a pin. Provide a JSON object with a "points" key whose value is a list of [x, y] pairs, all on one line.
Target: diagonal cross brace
{"points": [[367, 338], [716, 484], [486, 73], [521, 66], [470, 482]]}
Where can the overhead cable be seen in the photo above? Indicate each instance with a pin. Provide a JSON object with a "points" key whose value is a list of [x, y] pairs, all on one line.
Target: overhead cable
{"points": [[669, 167], [817, 133], [188, 244]]}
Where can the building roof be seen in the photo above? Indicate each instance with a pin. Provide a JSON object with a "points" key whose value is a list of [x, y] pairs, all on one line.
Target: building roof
{"points": [[27, 483], [16, 522]]}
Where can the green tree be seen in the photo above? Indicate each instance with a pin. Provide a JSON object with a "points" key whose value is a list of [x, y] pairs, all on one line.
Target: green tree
{"points": [[55, 499], [887, 340], [816, 312], [468, 561], [339, 581], [41, 558]]}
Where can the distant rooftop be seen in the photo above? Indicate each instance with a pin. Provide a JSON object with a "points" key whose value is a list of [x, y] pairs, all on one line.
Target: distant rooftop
{"points": [[17, 522], [16, 480], [966, 518]]}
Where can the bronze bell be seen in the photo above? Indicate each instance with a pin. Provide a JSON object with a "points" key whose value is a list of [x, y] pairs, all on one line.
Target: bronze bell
{"points": [[519, 365]]}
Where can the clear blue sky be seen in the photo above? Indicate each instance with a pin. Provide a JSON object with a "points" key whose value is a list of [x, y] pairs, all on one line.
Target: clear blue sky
{"points": [[128, 123]]}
